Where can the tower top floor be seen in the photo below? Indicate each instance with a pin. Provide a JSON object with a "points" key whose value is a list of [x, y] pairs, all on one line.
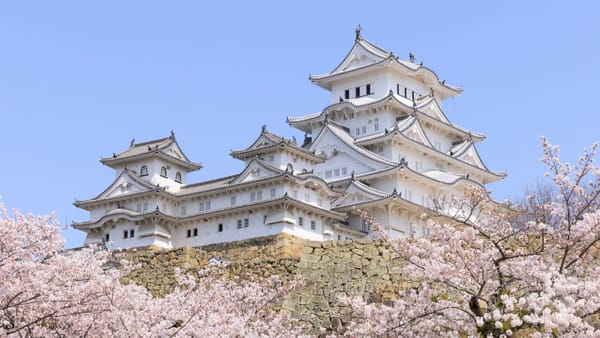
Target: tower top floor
{"points": [[369, 73]]}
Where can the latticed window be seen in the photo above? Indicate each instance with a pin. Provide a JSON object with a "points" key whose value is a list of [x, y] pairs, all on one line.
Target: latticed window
{"points": [[163, 171], [178, 177], [144, 171]]}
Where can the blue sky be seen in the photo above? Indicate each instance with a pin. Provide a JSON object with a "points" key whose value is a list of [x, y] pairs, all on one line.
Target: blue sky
{"points": [[79, 80]]}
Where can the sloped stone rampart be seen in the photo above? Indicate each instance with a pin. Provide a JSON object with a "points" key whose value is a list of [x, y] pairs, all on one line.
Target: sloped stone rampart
{"points": [[328, 269]]}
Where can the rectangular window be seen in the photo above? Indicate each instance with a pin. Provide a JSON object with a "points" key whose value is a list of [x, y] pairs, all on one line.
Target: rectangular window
{"points": [[320, 202], [413, 94], [232, 200], [125, 234], [246, 222], [252, 196], [357, 91], [376, 125], [313, 225], [295, 194], [328, 174], [368, 89], [239, 223], [273, 192], [344, 171], [131, 233], [301, 221], [138, 207], [357, 131], [397, 88], [107, 237], [220, 227], [347, 94], [259, 195], [405, 92], [189, 233], [207, 205], [364, 130], [145, 206], [201, 206], [195, 232], [265, 219], [336, 172], [183, 210], [271, 158]]}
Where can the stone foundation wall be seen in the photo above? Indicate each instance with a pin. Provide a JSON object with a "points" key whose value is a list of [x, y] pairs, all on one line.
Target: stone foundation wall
{"points": [[328, 269]]}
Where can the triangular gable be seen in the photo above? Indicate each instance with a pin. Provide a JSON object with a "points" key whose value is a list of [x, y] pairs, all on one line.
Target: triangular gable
{"points": [[433, 109], [411, 128], [333, 141], [471, 156], [126, 183], [256, 170], [361, 54], [265, 139], [357, 192]]}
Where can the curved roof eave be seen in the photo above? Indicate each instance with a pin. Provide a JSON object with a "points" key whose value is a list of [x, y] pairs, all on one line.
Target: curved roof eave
{"points": [[324, 80]]}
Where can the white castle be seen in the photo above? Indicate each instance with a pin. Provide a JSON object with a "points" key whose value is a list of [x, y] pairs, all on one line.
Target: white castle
{"points": [[383, 145]]}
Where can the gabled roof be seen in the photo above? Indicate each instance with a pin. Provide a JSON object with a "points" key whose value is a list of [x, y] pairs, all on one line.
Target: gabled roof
{"points": [[364, 56], [268, 142], [466, 151], [344, 139], [255, 170], [357, 192], [125, 185], [128, 180], [166, 148]]}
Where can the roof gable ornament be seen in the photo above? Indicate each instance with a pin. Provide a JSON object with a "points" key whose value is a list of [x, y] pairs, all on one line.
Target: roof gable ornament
{"points": [[411, 56], [358, 30]]}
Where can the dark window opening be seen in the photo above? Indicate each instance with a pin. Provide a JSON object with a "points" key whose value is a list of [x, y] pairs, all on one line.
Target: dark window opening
{"points": [[107, 237], [368, 89], [413, 95], [357, 91], [144, 171], [189, 233], [398, 89], [178, 177], [163, 171], [131, 233], [220, 227], [313, 225], [405, 92], [195, 232], [347, 94], [125, 234]]}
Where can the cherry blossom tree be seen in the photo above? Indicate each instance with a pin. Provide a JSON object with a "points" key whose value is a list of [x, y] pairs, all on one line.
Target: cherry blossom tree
{"points": [[493, 270], [48, 292]]}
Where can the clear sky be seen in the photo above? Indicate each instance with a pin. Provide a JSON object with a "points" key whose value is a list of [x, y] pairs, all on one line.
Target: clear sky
{"points": [[79, 80]]}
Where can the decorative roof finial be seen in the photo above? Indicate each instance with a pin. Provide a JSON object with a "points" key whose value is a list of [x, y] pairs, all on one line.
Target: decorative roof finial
{"points": [[264, 127], [358, 30], [132, 142], [411, 56], [172, 133]]}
